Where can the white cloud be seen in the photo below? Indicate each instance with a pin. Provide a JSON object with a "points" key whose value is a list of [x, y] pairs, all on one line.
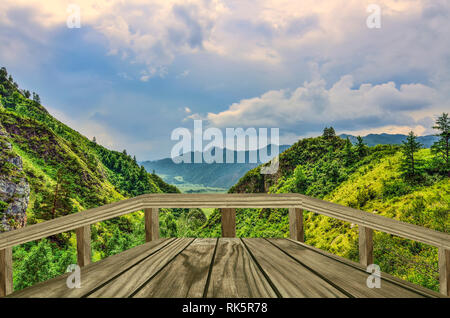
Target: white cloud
{"points": [[413, 37], [312, 106]]}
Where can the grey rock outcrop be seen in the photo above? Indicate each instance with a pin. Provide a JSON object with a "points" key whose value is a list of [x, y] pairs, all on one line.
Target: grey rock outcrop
{"points": [[14, 188]]}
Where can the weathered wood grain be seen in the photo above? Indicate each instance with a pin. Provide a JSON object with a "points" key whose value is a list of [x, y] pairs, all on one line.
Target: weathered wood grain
{"points": [[289, 277], [151, 219], [235, 274], [6, 273], [228, 223], [176, 268], [130, 281], [167, 200], [83, 245], [222, 200], [386, 277], [296, 224], [229, 201], [365, 243], [68, 222], [94, 275], [350, 279], [185, 276], [444, 271]]}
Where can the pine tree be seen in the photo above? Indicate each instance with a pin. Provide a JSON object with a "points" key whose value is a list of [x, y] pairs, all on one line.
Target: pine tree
{"points": [[36, 98], [348, 152], [410, 164], [3, 74], [328, 133], [440, 148], [361, 148]]}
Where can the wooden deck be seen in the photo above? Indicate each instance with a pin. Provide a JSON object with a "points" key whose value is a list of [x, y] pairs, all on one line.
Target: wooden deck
{"points": [[225, 267]]}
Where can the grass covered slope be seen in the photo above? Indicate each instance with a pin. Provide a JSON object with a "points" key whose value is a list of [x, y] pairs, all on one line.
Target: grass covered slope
{"points": [[68, 173], [366, 178]]}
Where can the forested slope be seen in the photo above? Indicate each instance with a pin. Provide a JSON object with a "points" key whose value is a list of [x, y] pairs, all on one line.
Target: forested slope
{"points": [[60, 172], [372, 179]]}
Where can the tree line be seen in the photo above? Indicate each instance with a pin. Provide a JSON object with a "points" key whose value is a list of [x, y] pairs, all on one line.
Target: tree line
{"points": [[412, 166]]}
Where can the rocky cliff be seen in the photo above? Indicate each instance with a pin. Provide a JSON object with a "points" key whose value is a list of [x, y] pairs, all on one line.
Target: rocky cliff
{"points": [[14, 188]]}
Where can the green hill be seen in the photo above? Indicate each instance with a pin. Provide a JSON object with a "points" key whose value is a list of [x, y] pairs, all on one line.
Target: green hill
{"points": [[49, 170], [366, 178]]}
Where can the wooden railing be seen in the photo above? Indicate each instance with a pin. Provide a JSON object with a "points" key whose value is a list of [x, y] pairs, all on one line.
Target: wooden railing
{"points": [[151, 203]]}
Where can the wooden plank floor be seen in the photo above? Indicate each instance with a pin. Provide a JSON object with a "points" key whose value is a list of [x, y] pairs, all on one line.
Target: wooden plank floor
{"points": [[225, 267]]}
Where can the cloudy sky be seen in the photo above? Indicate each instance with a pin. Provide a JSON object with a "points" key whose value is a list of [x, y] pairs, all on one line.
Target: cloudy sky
{"points": [[135, 70]]}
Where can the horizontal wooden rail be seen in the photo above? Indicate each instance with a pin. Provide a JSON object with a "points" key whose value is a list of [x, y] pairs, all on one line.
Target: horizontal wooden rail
{"points": [[109, 211], [376, 222], [69, 222], [151, 203]]}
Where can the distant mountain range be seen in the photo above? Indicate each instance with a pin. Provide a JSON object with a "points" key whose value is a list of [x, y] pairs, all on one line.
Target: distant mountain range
{"points": [[191, 177], [390, 139], [214, 175]]}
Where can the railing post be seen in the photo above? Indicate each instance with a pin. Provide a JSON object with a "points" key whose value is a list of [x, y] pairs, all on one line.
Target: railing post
{"points": [[296, 230], [228, 222], [84, 245], [6, 273], [444, 271], [365, 246], [151, 217]]}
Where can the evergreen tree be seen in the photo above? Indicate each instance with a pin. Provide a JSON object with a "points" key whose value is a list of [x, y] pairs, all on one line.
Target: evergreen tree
{"points": [[94, 140], [348, 152], [328, 133], [440, 148], [410, 164], [3, 74], [36, 98], [361, 148], [50, 205], [62, 204]]}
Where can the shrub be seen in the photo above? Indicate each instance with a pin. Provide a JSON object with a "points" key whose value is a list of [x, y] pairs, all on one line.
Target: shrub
{"points": [[364, 195], [395, 188]]}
